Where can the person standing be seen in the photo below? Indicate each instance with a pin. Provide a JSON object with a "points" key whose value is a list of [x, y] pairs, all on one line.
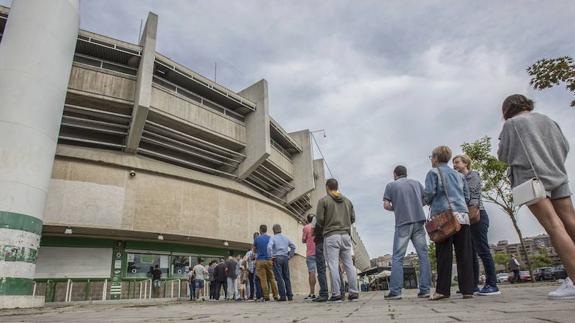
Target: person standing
{"points": [[308, 239], [404, 197], [156, 280], [479, 230], [221, 280], [320, 262], [192, 284], [533, 145], [231, 278], [212, 279], [251, 267], [336, 215], [200, 277], [446, 189], [281, 249], [514, 266], [264, 265]]}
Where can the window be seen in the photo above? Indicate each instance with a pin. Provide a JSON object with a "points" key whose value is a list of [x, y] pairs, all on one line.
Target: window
{"points": [[140, 265]]}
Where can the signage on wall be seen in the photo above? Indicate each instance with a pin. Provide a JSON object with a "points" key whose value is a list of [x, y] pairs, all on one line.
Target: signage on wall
{"points": [[116, 285]]}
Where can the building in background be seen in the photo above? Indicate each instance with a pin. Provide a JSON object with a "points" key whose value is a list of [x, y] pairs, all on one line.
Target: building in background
{"points": [[158, 165], [540, 244]]}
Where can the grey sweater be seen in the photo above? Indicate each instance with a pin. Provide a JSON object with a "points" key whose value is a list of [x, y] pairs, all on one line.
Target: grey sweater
{"points": [[544, 142]]}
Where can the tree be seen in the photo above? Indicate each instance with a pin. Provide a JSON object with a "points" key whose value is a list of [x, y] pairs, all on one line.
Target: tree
{"points": [[541, 259], [496, 184], [501, 258], [547, 73], [431, 256]]}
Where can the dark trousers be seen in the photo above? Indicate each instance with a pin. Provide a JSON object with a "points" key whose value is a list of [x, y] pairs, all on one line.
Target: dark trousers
{"points": [[251, 281], [481, 249], [213, 289], [218, 289], [258, 286], [281, 272], [461, 241], [321, 268], [192, 285]]}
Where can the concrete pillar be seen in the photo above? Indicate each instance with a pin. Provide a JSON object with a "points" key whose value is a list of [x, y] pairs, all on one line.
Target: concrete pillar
{"points": [[258, 147], [35, 62], [303, 179], [143, 95], [319, 190]]}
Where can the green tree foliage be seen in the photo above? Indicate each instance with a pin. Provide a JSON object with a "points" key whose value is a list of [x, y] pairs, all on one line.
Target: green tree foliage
{"points": [[432, 257], [547, 73], [541, 259], [501, 258], [496, 184]]}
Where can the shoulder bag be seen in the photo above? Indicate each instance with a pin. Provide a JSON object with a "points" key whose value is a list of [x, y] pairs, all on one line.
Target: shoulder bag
{"points": [[444, 225], [531, 191]]}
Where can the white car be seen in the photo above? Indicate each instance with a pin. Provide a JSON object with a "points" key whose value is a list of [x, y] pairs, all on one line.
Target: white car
{"points": [[502, 277]]}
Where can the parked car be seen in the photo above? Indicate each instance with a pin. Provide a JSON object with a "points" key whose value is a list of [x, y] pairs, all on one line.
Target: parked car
{"points": [[524, 276], [545, 273], [502, 278], [559, 272]]}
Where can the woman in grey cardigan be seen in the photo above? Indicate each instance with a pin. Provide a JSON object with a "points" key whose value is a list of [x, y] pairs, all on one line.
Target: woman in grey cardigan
{"points": [[547, 148]]}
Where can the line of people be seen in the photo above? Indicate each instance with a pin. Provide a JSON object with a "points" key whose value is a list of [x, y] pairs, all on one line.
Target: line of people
{"points": [[533, 146]]}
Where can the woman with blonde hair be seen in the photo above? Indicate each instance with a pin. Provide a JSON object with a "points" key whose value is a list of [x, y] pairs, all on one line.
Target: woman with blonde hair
{"points": [[446, 189], [534, 146], [462, 164]]}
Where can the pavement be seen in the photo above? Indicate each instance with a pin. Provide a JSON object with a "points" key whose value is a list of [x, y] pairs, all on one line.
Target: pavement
{"points": [[524, 303]]}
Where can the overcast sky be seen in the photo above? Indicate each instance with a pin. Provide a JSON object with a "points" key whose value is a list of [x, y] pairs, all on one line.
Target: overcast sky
{"points": [[388, 81]]}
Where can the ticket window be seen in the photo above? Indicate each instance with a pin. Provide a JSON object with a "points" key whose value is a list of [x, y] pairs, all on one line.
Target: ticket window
{"points": [[141, 265]]}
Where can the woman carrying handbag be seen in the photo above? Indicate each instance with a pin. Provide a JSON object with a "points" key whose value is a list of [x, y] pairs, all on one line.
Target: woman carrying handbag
{"points": [[447, 194], [535, 148]]}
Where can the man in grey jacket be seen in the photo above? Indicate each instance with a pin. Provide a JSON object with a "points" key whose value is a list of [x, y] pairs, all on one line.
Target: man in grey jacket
{"points": [[336, 215]]}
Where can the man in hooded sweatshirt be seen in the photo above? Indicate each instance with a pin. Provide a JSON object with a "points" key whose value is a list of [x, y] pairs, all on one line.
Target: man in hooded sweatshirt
{"points": [[336, 215]]}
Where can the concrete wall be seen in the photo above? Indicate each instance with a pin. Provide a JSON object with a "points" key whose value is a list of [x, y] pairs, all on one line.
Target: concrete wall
{"points": [[87, 194], [63, 262], [187, 111], [100, 82], [281, 161], [304, 181]]}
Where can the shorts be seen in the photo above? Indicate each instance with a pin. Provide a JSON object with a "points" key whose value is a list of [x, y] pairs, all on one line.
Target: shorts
{"points": [[311, 264], [199, 283], [560, 192]]}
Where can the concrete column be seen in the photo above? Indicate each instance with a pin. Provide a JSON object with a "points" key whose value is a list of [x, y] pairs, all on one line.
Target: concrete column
{"points": [[303, 179], [258, 146], [35, 62], [143, 95], [319, 190]]}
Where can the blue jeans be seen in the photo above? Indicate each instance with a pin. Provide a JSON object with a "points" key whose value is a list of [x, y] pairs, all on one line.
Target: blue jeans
{"points": [[481, 249], [321, 267], [281, 271], [414, 232], [192, 289]]}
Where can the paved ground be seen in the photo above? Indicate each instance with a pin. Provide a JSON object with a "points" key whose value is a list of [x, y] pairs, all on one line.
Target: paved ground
{"points": [[517, 304]]}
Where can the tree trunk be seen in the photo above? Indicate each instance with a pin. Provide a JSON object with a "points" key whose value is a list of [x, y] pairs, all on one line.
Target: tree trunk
{"points": [[516, 226]]}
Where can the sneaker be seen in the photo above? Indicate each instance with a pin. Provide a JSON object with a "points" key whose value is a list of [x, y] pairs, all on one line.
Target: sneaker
{"points": [[352, 297], [282, 299], [489, 290], [320, 299], [391, 296], [423, 295], [335, 299], [565, 291], [309, 297]]}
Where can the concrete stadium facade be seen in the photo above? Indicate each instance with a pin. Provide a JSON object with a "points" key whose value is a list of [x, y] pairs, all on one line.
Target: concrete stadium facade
{"points": [[156, 164]]}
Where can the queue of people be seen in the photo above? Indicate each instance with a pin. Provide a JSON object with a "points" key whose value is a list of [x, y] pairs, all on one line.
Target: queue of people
{"points": [[530, 143], [533, 146]]}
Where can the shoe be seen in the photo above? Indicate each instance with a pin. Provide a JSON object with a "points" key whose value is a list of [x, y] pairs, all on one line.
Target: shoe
{"points": [[476, 290], [352, 297], [282, 299], [309, 297], [437, 297], [423, 295], [489, 290], [565, 291], [467, 296], [335, 299], [320, 299], [391, 296]]}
